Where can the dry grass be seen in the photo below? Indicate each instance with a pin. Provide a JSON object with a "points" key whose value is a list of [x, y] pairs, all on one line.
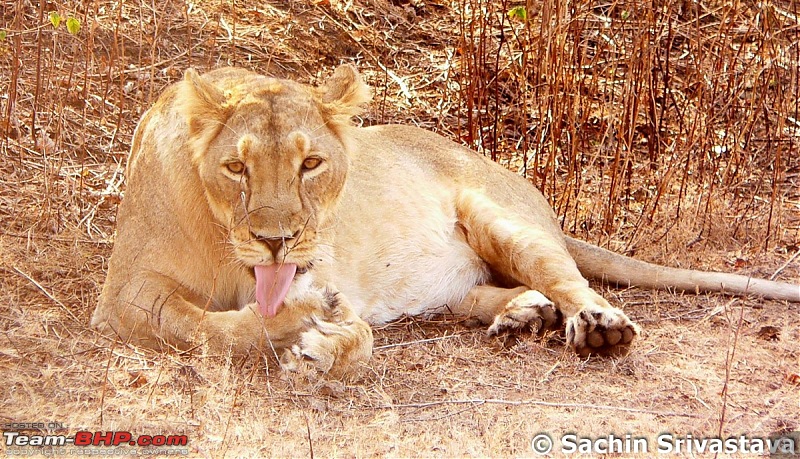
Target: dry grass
{"points": [[668, 131]]}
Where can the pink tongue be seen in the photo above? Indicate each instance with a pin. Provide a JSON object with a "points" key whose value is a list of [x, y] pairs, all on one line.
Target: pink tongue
{"points": [[272, 284]]}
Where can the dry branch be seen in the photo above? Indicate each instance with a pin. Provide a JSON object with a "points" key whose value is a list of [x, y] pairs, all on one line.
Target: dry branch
{"points": [[493, 401], [48, 295]]}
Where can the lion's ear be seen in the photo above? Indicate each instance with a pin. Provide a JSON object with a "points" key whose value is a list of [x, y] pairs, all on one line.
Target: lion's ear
{"points": [[202, 105], [344, 93]]}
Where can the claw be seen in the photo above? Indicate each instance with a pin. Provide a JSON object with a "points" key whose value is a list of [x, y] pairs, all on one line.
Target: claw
{"points": [[530, 310]]}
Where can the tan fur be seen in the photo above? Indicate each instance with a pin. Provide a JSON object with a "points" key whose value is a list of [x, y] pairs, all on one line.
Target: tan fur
{"points": [[397, 219]]}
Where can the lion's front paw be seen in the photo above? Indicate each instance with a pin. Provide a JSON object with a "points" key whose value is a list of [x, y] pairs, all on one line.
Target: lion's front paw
{"points": [[333, 348], [605, 331], [529, 309]]}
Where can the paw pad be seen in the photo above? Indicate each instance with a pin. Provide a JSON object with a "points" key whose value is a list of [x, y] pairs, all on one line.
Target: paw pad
{"points": [[604, 332]]}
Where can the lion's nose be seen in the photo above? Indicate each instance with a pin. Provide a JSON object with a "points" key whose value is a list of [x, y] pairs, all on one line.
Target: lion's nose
{"points": [[275, 244]]}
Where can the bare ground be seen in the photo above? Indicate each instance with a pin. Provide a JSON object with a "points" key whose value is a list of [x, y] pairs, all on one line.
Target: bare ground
{"points": [[705, 366]]}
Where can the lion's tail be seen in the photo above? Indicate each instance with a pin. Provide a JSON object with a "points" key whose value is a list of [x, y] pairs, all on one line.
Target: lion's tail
{"points": [[600, 264]]}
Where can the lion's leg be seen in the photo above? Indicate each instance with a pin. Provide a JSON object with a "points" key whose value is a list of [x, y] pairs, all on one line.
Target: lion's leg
{"points": [[157, 312], [527, 252], [506, 309]]}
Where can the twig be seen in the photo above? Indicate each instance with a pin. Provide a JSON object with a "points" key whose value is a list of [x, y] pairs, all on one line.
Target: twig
{"points": [[783, 266], [308, 437], [229, 421], [47, 294], [443, 416], [403, 86], [105, 382], [479, 401], [54, 239], [717, 310], [730, 353], [408, 343], [143, 68], [548, 372]]}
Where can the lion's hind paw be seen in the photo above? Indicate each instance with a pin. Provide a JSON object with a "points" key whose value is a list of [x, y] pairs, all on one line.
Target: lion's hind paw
{"points": [[529, 309], [605, 331]]}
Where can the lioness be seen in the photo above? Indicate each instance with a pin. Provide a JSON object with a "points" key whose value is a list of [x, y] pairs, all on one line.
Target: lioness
{"points": [[256, 215]]}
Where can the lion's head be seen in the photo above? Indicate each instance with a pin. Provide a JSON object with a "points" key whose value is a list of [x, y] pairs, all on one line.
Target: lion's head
{"points": [[272, 156]]}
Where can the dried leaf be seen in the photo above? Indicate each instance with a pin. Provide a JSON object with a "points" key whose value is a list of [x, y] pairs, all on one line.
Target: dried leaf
{"points": [[136, 379], [769, 333]]}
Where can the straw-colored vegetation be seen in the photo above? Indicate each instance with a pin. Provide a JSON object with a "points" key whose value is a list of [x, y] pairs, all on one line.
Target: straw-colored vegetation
{"points": [[667, 131]]}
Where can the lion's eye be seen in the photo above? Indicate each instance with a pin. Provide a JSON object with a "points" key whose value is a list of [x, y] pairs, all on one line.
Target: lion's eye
{"points": [[236, 167], [311, 163]]}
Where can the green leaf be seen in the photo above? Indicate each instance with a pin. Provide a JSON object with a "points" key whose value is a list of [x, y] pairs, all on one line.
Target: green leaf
{"points": [[518, 12], [55, 19], [3, 35], [73, 26]]}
